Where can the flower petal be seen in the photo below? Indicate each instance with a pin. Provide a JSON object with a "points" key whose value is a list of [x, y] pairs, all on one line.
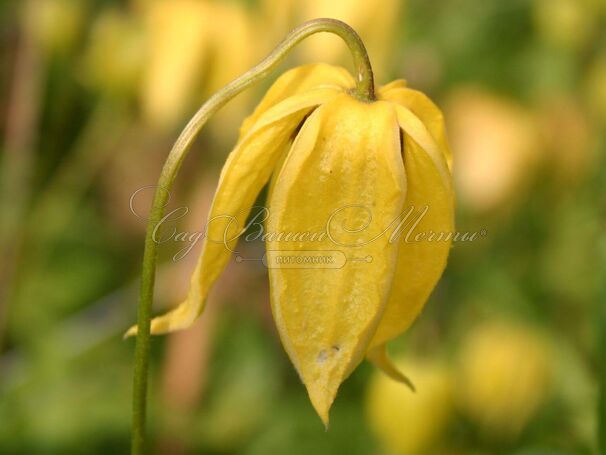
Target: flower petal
{"points": [[421, 106], [343, 177], [415, 129], [379, 357], [422, 257], [385, 89], [246, 171], [298, 80]]}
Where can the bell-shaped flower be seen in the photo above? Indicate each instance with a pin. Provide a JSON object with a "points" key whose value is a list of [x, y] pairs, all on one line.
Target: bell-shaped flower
{"points": [[359, 221]]}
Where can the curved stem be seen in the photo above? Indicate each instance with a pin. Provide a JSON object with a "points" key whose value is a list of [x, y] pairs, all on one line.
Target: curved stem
{"points": [[364, 90]]}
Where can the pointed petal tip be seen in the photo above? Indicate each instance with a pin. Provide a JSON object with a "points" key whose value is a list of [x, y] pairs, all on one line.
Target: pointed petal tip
{"points": [[409, 384], [170, 322], [130, 332], [325, 421], [323, 413], [400, 377], [380, 358], [321, 400]]}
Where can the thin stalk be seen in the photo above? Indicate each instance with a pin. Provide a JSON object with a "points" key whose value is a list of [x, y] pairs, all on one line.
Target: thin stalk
{"points": [[364, 90], [601, 352], [22, 117]]}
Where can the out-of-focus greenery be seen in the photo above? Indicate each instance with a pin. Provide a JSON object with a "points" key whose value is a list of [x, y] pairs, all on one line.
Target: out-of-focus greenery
{"points": [[505, 357]]}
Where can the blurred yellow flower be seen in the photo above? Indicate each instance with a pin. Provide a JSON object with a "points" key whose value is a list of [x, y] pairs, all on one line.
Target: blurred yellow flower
{"points": [[568, 24], [345, 170], [410, 423], [503, 377], [194, 48], [114, 57], [54, 25], [177, 47], [496, 145], [234, 49], [375, 22]]}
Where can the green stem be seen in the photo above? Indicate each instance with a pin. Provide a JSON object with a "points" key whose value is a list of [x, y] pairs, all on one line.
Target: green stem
{"points": [[364, 90], [601, 352]]}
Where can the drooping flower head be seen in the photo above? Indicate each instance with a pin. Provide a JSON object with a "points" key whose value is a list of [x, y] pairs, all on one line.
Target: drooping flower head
{"points": [[359, 224]]}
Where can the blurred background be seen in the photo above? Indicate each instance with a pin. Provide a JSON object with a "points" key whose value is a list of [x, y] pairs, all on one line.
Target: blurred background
{"points": [[506, 356]]}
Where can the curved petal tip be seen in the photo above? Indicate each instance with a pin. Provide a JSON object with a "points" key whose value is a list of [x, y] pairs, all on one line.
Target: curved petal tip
{"points": [[380, 358], [321, 399]]}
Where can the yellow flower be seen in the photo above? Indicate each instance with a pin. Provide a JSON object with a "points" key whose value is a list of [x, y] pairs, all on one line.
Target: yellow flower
{"points": [[114, 57], [347, 169], [377, 26], [411, 423], [496, 144], [54, 25], [503, 377], [177, 48], [567, 24], [184, 39]]}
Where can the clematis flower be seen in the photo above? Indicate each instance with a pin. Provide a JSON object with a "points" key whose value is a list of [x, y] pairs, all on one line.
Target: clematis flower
{"points": [[378, 26], [501, 393], [412, 424], [353, 170], [183, 35]]}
